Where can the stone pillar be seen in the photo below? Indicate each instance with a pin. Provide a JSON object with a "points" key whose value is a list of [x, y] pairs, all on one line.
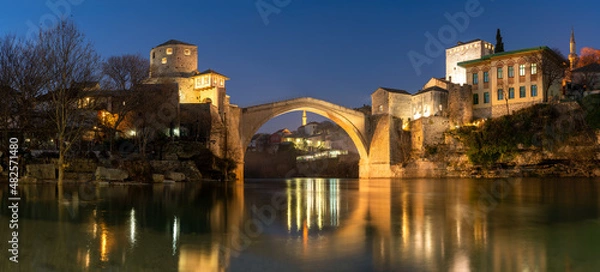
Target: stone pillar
{"points": [[384, 150]]}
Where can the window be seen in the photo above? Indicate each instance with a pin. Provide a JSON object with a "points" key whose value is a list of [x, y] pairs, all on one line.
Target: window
{"points": [[153, 54], [511, 71], [380, 108], [222, 83], [187, 52], [534, 68], [169, 51], [486, 98], [475, 99], [486, 77], [164, 61], [475, 78], [511, 93], [533, 90], [500, 73], [500, 94], [522, 92], [522, 70]]}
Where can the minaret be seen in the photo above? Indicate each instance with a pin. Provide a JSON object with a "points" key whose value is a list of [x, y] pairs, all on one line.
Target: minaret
{"points": [[573, 50], [303, 118]]}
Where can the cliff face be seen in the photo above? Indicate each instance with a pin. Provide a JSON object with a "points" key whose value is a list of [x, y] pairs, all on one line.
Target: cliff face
{"points": [[542, 140]]}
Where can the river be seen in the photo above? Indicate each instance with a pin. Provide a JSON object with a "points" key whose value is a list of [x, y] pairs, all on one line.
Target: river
{"points": [[525, 224]]}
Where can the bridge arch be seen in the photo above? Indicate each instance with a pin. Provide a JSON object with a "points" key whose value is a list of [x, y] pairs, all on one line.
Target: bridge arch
{"points": [[354, 123]]}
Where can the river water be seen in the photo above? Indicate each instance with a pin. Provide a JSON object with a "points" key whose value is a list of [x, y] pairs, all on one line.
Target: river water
{"points": [[310, 225]]}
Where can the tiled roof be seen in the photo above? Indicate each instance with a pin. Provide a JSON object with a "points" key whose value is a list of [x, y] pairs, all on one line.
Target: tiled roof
{"points": [[394, 90], [174, 42], [594, 68], [488, 57]]}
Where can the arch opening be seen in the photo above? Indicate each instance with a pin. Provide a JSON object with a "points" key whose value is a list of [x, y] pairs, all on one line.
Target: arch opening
{"points": [[352, 122]]}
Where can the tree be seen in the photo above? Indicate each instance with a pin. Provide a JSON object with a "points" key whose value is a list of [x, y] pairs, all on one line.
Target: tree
{"points": [[551, 65], [22, 82], [70, 62], [588, 56], [124, 72]]}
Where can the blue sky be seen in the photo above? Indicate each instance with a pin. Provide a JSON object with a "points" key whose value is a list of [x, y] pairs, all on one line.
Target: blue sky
{"points": [[339, 51]]}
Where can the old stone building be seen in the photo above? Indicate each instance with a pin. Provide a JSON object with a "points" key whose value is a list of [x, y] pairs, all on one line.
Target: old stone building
{"points": [[177, 62], [438, 97], [509, 81], [464, 51]]}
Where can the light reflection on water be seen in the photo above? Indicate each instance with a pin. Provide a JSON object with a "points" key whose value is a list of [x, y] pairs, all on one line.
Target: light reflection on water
{"points": [[313, 225]]}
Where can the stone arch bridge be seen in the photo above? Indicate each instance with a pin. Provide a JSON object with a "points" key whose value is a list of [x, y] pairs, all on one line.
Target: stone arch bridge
{"points": [[370, 134]]}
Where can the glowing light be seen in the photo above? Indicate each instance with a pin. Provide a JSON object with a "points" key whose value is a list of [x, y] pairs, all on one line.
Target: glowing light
{"points": [[175, 234], [104, 245], [289, 205], [132, 228]]}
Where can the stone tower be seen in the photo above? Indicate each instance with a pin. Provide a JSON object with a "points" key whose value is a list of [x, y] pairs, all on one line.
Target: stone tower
{"points": [[572, 51], [464, 51], [173, 59]]}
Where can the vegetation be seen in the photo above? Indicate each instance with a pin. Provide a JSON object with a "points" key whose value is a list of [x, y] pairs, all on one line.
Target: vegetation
{"points": [[541, 126], [591, 105]]}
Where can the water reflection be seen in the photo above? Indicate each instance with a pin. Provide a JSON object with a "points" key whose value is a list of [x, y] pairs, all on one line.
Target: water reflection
{"points": [[321, 225]]}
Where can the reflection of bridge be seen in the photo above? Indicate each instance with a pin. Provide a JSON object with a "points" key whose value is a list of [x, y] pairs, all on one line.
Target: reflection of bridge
{"points": [[370, 136]]}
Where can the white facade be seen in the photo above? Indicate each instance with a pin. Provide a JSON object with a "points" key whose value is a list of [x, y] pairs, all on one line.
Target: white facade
{"points": [[463, 52]]}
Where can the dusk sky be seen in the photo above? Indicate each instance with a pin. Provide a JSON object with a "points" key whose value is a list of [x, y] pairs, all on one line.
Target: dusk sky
{"points": [[339, 51]]}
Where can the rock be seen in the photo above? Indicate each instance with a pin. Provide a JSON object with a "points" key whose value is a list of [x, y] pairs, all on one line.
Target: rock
{"points": [[175, 176], [110, 174], [158, 178], [189, 169], [41, 171], [28, 179], [170, 157]]}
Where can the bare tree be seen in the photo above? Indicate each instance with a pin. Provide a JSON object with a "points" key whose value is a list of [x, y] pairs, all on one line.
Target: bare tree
{"points": [[551, 65], [70, 62], [23, 81], [123, 72]]}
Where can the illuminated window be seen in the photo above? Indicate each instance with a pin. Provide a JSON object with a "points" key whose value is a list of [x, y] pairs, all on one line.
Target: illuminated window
{"points": [[511, 71], [534, 68], [533, 90], [187, 52], [164, 61], [169, 51], [500, 94], [380, 108], [522, 70], [522, 91], [500, 72], [222, 82]]}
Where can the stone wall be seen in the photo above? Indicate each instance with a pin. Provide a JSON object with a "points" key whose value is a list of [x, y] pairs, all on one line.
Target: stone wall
{"points": [[430, 103], [460, 104], [178, 62], [401, 106], [428, 131]]}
